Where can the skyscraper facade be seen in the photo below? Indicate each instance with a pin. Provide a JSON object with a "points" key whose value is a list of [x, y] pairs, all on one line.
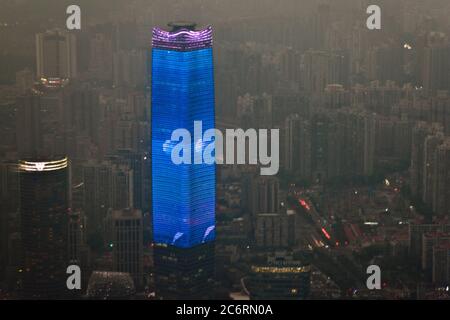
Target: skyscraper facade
{"points": [[183, 195], [56, 54], [126, 234], [182, 92], [281, 278], [44, 208]]}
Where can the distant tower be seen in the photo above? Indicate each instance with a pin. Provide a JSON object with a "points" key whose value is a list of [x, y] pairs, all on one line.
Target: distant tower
{"points": [[298, 145], [436, 65], [264, 195], [56, 55], [44, 208], [107, 185], [127, 243], [183, 196]]}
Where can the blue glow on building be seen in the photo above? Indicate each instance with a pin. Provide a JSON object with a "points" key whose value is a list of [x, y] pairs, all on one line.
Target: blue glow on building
{"points": [[183, 196]]}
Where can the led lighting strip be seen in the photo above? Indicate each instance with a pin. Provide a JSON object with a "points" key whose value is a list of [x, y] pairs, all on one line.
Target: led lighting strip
{"points": [[183, 40], [38, 166]]}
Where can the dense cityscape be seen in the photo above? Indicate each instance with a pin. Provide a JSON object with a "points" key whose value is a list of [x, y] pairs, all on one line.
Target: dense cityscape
{"points": [[364, 150]]}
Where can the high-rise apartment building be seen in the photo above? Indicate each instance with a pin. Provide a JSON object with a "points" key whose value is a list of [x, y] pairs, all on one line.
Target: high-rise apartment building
{"points": [[418, 137], [298, 146], [436, 65], [441, 201]]}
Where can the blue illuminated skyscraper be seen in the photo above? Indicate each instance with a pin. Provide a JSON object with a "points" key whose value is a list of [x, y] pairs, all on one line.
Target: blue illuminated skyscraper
{"points": [[183, 195], [182, 92]]}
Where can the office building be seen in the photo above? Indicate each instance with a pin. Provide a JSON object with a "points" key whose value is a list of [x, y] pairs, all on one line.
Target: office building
{"points": [[264, 195], [183, 195], [106, 185], [44, 207], [127, 243], [274, 230], [56, 55], [280, 278]]}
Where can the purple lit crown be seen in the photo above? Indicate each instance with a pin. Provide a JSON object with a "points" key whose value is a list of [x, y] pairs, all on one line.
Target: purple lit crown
{"points": [[183, 39]]}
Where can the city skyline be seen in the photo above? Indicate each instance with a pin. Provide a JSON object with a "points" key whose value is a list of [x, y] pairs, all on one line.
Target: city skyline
{"points": [[224, 150]]}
